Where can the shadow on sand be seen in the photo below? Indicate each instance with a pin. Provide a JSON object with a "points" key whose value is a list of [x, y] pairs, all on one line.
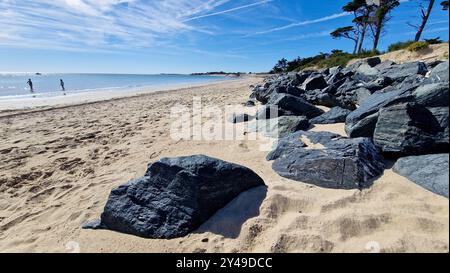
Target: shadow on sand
{"points": [[228, 221]]}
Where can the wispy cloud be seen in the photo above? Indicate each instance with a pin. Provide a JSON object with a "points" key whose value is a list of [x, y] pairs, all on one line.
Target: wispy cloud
{"points": [[228, 10], [103, 24], [302, 23]]}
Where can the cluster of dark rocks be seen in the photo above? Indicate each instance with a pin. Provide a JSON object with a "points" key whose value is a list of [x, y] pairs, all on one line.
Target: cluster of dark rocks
{"points": [[389, 110], [174, 197]]}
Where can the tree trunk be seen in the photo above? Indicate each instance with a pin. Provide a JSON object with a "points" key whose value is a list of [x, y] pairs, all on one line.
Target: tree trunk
{"points": [[376, 39], [425, 17], [355, 48], [363, 34]]}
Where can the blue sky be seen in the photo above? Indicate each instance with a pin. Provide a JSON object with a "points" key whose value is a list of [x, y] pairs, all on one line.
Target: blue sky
{"points": [[181, 36]]}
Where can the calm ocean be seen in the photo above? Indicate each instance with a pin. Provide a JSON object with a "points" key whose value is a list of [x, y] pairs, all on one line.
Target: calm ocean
{"points": [[14, 85]]}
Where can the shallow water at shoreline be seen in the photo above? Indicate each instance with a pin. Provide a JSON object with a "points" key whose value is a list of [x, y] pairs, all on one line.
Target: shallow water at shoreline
{"points": [[14, 85], [40, 101]]}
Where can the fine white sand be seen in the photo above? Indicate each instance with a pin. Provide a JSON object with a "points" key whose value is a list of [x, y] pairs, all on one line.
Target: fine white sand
{"points": [[58, 166]]}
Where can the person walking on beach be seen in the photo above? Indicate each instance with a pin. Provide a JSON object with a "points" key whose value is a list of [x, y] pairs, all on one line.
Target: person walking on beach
{"points": [[30, 84], [61, 82]]}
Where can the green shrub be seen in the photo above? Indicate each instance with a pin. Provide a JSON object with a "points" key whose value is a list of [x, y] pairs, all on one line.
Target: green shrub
{"points": [[342, 58], [434, 41], [399, 46], [414, 47], [322, 60]]}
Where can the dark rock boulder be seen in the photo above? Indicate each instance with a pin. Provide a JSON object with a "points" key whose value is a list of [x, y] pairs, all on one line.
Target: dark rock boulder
{"points": [[335, 115], [367, 70], [370, 62], [427, 171], [348, 86], [433, 64], [378, 84], [408, 129], [334, 78], [291, 124], [237, 118], [324, 71], [432, 95], [175, 196], [441, 114], [362, 121], [409, 82], [335, 69], [250, 103], [279, 127], [325, 99], [362, 94], [399, 72], [300, 78], [260, 93], [384, 65], [263, 95], [315, 81], [269, 112], [327, 160], [440, 73], [295, 105]]}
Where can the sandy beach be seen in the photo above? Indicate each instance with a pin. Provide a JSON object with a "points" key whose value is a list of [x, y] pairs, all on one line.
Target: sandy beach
{"points": [[59, 164]]}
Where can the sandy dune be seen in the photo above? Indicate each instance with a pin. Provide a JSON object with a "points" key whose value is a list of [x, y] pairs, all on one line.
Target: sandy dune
{"points": [[430, 54], [58, 166]]}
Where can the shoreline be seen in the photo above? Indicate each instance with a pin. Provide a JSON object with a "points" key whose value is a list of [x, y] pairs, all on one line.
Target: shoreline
{"points": [[23, 104]]}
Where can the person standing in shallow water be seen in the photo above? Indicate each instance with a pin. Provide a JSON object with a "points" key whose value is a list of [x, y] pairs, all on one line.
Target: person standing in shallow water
{"points": [[61, 82], [30, 84]]}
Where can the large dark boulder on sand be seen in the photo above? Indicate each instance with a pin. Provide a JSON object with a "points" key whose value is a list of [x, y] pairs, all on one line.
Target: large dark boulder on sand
{"points": [[327, 160], [428, 171], [295, 105], [408, 129], [335, 115], [175, 196]]}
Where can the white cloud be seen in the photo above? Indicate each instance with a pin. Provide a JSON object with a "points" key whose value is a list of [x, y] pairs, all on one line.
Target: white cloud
{"points": [[229, 10], [302, 23], [324, 33], [102, 24]]}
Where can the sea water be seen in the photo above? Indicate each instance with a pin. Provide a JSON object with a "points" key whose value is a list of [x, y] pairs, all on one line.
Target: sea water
{"points": [[14, 85]]}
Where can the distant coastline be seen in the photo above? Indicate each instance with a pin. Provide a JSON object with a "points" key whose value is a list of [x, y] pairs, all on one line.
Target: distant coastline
{"points": [[220, 73]]}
